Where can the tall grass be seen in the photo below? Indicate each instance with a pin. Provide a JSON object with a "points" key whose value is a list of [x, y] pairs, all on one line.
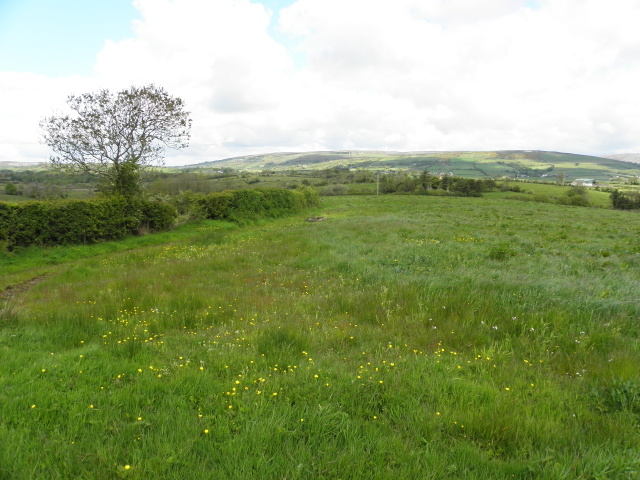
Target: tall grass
{"points": [[402, 337]]}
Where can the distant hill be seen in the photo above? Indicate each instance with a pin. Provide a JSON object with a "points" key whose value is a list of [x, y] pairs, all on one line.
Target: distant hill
{"points": [[625, 157], [511, 163], [4, 165]]}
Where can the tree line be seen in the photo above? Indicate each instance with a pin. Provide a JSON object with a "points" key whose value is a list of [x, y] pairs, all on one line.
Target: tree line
{"points": [[622, 201], [405, 183]]}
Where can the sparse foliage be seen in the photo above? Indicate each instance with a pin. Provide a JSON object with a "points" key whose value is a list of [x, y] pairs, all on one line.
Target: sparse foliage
{"points": [[117, 136]]}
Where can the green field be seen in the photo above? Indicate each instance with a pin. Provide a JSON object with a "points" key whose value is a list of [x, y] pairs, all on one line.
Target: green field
{"points": [[401, 337], [548, 193]]}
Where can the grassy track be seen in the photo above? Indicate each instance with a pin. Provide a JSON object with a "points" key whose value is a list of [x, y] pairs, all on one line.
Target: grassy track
{"points": [[402, 337]]}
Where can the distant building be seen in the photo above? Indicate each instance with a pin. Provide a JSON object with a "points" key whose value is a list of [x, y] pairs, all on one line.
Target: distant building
{"points": [[583, 182]]}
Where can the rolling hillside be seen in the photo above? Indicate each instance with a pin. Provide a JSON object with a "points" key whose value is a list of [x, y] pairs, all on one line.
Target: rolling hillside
{"points": [[512, 163]]}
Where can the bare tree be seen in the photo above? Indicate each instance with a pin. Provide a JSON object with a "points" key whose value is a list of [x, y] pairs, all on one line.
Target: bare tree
{"points": [[117, 136]]}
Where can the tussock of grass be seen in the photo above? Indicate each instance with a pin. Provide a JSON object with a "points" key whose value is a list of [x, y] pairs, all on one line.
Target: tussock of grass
{"points": [[402, 337]]}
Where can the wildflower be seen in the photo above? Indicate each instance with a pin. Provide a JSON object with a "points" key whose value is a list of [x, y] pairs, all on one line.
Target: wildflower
{"points": [[127, 467], [206, 430]]}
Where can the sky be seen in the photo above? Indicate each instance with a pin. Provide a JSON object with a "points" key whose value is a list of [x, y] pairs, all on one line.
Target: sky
{"points": [[262, 76]]}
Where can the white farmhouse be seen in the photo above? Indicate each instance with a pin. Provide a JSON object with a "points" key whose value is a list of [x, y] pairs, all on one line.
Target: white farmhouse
{"points": [[583, 182]]}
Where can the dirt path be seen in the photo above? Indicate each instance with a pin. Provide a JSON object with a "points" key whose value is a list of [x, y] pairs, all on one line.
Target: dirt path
{"points": [[14, 290]]}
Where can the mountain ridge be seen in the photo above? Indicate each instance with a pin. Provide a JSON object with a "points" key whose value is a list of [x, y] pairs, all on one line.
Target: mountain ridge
{"points": [[473, 164]]}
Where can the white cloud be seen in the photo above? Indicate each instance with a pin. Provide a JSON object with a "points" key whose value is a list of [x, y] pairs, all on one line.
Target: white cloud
{"points": [[506, 74], [25, 99], [404, 75]]}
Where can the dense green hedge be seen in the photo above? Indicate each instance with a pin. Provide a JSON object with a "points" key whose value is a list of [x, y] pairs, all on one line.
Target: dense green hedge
{"points": [[241, 205], [87, 221], [80, 221]]}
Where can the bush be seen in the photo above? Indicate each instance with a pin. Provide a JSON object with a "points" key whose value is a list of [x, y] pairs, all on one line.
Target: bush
{"points": [[336, 189], [623, 202], [577, 196], [242, 205], [215, 205], [88, 221], [157, 216], [80, 221], [184, 201]]}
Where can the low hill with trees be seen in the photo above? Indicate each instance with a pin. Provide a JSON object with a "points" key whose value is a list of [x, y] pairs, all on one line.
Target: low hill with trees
{"points": [[509, 163]]}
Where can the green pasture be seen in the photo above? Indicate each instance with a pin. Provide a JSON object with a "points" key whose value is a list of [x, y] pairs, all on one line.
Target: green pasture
{"points": [[400, 337], [14, 198], [549, 193]]}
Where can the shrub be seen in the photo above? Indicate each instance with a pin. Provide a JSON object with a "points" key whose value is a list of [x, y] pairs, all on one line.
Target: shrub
{"points": [[215, 205], [184, 201], [577, 196], [10, 189], [623, 202], [336, 189], [80, 221], [88, 221], [242, 205], [158, 216]]}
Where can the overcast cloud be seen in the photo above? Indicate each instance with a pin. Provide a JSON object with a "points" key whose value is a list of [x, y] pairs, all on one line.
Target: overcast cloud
{"points": [[405, 75]]}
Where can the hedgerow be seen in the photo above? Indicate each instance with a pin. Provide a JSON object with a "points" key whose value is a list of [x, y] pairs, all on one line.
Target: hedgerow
{"points": [[243, 205], [69, 222], [80, 221]]}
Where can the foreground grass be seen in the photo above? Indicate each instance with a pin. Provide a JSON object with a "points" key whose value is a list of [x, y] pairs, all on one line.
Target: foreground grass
{"points": [[402, 337]]}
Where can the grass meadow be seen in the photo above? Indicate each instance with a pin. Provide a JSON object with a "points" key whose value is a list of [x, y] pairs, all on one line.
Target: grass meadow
{"points": [[407, 337]]}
